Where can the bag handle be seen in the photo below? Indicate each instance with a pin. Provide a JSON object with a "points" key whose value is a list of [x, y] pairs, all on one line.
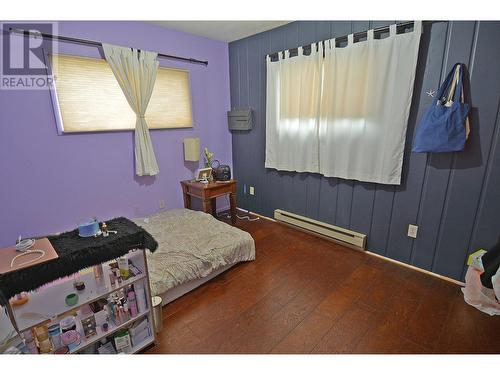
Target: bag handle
{"points": [[459, 84], [456, 76], [467, 123], [446, 84]]}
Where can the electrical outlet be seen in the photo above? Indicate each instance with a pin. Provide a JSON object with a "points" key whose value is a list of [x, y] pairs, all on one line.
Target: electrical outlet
{"points": [[252, 190], [412, 231], [161, 203]]}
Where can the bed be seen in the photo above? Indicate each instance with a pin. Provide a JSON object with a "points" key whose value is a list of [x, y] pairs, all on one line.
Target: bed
{"points": [[194, 247]]}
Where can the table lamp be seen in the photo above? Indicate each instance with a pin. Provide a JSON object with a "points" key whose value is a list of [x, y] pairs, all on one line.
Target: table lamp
{"points": [[191, 149]]}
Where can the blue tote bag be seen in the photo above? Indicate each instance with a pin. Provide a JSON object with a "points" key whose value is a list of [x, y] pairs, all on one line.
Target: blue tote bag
{"points": [[442, 128]]}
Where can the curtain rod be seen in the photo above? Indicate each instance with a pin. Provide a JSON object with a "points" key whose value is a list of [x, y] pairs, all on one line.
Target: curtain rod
{"points": [[344, 37], [28, 33]]}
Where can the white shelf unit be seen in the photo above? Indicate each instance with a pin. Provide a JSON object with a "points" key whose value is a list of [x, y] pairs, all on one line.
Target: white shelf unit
{"points": [[48, 303], [101, 334], [137, 348]]}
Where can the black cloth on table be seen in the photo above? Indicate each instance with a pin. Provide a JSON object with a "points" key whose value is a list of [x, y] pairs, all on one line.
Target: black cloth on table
{"points": [[76, 253], [491, 262]]}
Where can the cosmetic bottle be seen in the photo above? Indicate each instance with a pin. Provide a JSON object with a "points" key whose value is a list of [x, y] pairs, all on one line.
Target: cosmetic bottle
{"points": [[140, 295], [104, 230], [121, 318], [117, 275], [112, 278], [132, 304], [125, 311], [98, 272], [123, 267]]}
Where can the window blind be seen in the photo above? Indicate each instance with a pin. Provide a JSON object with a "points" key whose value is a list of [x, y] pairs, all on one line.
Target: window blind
{"points": [[91, 100]]}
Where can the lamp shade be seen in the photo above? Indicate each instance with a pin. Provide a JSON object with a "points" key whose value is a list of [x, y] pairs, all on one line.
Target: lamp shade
{"points": [[191, 149]]}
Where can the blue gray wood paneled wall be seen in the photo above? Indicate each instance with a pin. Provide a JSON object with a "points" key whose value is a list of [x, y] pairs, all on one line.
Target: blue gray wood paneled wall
{"points": [[454, 198]]}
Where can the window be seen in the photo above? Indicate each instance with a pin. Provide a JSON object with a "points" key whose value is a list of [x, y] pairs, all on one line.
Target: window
{"points": [[90, 99], [342, 112]]}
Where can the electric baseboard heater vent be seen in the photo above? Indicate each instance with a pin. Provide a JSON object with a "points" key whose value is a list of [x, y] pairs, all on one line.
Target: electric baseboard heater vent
{"points": [[345, 236]]}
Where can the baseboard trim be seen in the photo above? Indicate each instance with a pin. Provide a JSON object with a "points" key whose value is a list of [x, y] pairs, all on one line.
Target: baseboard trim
{"points": [[445, 278]]}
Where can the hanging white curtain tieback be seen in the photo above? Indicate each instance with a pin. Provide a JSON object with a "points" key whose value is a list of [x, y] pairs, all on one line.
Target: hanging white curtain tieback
{"points": [[141, 116]]}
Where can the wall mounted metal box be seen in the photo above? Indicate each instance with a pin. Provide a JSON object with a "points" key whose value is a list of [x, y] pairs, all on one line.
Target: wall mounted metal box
{"points": [[240, 119]]}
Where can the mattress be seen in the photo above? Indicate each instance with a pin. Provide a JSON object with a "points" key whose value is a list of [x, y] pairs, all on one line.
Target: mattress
{"points": [[191, 245]]}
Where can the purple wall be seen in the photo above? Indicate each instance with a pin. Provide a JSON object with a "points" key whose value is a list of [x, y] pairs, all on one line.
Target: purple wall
{"points": [[49, 182]]}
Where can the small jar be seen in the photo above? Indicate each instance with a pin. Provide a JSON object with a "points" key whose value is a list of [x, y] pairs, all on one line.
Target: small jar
{"points": [[71, 339], [68, 324], [55, 335]]}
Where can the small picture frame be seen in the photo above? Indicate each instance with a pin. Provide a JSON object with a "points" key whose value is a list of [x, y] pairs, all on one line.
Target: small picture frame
{"points": [[203, 174]]}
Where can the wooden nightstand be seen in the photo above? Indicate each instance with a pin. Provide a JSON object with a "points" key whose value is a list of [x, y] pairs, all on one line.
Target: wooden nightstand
{"points": [[208, 194]]}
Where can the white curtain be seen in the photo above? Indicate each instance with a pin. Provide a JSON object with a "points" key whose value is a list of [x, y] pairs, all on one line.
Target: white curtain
{"points": [[365, 92], [136, 74], [293, 97]]}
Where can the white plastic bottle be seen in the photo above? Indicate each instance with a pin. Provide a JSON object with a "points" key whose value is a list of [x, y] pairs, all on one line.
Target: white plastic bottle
{"points": [[140, 296]]}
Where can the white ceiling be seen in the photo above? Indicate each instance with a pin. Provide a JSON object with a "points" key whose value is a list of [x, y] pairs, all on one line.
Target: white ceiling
{"points": [[227, 31]]}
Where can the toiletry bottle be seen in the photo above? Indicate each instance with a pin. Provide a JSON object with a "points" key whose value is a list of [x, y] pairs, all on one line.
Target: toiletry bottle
{"points": [[106, 314], [98, 272], [110, 309], [104, 230], [117, 275], [117, 315], [121, 318], [141, 298], [123, 266], [132, 304], [125, 311], [112, 278]]}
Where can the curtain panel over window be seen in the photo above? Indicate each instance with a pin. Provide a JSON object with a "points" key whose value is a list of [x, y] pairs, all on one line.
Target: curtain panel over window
{"points": [[350, 122], [293, 98], [135, 72]]}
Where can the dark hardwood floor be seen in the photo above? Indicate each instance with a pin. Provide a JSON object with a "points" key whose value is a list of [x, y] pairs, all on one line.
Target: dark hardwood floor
{"points": [[304, 294]]}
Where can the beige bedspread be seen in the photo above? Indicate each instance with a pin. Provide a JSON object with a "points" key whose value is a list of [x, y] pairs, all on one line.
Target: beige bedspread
{"points": [[192, 245]]}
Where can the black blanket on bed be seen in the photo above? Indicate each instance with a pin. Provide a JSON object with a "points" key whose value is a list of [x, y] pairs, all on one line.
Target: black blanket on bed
{"points": [[76, 253]]}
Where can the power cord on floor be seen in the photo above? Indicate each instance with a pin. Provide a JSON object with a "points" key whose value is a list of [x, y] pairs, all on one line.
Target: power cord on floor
{"points": [[246, 217]]}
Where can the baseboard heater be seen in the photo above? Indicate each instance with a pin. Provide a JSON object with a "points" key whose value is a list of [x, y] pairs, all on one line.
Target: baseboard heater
{"points": [[345, 236]]}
